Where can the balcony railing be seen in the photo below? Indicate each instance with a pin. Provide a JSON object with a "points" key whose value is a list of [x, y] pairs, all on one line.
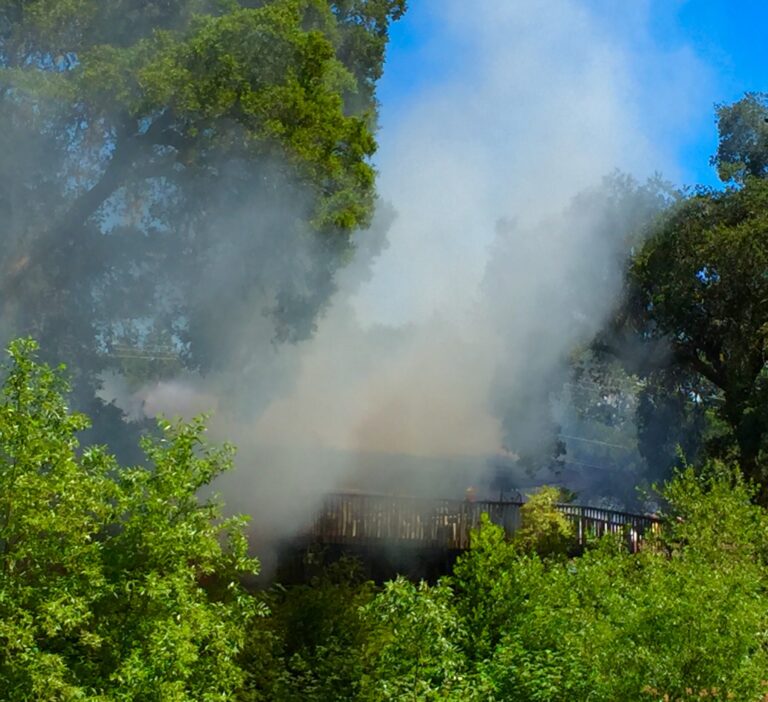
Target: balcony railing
{"points": [[358, 519]]}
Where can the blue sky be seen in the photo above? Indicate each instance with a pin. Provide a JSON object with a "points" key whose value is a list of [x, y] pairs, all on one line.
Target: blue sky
{"points": [[728, 38], [732, 38]]}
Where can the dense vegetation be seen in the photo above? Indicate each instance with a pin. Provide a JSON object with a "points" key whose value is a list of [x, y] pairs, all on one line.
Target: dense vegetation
{"points": [[684, 619], [683, 363], [115, 583], [122, 583], [166, 139], [710, 307]]}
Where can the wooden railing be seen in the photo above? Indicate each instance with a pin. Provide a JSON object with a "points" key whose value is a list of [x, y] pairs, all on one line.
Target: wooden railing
{"points": [[358, 519]]}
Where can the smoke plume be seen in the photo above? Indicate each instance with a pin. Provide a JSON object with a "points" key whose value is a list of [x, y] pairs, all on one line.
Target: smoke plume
{"points": [[446, 351]]}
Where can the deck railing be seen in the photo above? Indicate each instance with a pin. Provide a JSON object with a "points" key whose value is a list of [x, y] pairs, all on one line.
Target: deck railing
{"points": [[358, 519]]}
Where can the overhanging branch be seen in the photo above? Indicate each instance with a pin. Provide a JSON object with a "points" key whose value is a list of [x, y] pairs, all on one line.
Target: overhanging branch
{"points": [[129, 145]]}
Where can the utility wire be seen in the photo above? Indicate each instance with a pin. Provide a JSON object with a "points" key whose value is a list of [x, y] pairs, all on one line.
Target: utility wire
{"points": [[595, 441], [583, 464]]}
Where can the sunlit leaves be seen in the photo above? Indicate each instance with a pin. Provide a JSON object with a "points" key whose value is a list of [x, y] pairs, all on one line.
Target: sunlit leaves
{"points": [[683, 619], [115, 583]]}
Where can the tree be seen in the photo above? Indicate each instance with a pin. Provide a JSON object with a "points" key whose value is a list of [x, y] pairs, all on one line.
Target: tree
{"points": [[183, 173], [115, 583], [743, 147], [680, 620], [699, 286], [412, 652], [691, 323]]}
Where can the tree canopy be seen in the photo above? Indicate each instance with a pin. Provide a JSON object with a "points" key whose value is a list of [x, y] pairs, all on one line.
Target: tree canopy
{"points": [[743, 147], [697, 294], [701, 284], [173, 170]]}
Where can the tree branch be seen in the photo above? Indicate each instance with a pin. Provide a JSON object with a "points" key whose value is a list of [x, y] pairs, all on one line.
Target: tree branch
{"points": [[691, 358], [127, 148]]}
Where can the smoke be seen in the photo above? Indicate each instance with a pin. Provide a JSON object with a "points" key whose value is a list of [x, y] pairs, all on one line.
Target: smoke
{"points": [[448, 349]]}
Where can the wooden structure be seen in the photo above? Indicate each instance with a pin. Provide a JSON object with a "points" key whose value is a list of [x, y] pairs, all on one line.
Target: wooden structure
{"points": [[358, 520]]}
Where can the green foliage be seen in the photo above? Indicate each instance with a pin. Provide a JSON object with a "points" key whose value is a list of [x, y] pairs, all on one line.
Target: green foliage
{"points": [[699, 285], [684, 619], [694, 323], [310, 649], [114, 583], [686, 614], [273, 70], [743, 147], [413, 652], [544, 528], [208, 154], [487, 581]]}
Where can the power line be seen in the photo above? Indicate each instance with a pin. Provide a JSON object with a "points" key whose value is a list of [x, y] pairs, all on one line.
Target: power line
{"points": [[583, 464], [596, 441]]}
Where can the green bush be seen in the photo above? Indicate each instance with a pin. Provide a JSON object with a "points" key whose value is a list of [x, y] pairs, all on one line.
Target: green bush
{"points": [[544, 528], [685, 618], [686, 615], [115, 583], [311, 648]]}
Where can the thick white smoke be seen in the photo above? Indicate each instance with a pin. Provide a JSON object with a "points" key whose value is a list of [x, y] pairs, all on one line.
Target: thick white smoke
{"points": [[531, 103]]}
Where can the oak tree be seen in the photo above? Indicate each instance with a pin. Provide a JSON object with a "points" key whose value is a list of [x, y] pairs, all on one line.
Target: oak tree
{"points": [[181, 174]]}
